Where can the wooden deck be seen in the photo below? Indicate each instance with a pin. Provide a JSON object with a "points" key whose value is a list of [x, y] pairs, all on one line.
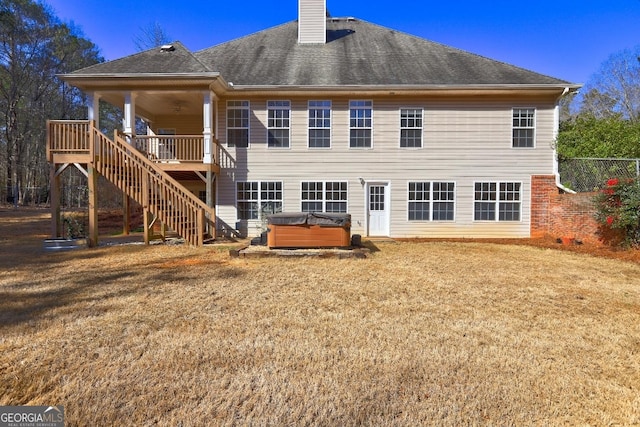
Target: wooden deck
{"points": [[69, 141], [141, 175]]}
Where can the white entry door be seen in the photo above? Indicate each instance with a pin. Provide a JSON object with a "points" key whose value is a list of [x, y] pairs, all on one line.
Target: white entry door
{"points": [[378, 209]]}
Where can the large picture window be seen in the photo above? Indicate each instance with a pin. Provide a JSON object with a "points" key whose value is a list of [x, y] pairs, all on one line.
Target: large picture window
{"points": [[431, 201], [319, 124], [324, 196], [524, 127], [238, 124], [497, 201], [255, 199], [360, 124], [411, 127], [278, 124]]}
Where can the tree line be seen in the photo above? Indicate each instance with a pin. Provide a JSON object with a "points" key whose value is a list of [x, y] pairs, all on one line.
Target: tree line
{"points": [[603, 120], [34, 48]]}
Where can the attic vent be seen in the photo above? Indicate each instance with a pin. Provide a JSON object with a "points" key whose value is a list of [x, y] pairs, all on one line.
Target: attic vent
{"points": [[343, 19], [167, 48]]}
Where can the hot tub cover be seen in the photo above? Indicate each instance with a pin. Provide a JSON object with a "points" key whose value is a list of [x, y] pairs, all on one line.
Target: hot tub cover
{"points": [[305, 218]]}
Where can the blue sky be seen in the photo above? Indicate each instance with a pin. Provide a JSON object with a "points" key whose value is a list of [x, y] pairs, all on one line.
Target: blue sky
{"points": [[564, 39]]}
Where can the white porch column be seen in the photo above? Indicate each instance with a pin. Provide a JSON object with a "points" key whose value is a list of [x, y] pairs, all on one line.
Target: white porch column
{"points": [[93, 108], [207, 123], [129, 119]]}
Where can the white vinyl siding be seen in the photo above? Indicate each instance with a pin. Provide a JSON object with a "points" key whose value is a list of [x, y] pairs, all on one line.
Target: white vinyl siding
{"points": [[465, 140], [312, 22]]}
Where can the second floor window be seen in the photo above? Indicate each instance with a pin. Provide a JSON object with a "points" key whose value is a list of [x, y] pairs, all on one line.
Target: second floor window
{"points": [[411, 127], [319, 124], [360, 124], [524, 127], [238, 124], [278, 124]]}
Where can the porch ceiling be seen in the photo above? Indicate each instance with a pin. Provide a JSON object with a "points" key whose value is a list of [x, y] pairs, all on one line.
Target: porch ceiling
{"points": [[151, 104]]}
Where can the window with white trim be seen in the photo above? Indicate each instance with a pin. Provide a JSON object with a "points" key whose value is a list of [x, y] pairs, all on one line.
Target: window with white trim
{"points": [[431, 201], [324, 196], [524, 128], [319, 124], [255, 199], [278, 124], [497, 201], [411, 127], [360, 124], [238, 124]]}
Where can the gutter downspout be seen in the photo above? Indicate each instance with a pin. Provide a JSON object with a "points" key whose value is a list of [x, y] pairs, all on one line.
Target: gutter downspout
{"points": [[556, 127]]}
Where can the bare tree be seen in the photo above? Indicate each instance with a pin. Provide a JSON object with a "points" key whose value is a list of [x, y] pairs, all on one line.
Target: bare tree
{"points": [[150, 36], [615, 88], [34, 48]]}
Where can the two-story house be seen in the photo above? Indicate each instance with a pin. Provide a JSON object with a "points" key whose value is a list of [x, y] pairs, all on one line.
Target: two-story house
{"points": [[323, 114]]}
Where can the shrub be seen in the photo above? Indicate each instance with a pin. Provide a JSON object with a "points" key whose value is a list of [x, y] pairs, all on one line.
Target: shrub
{"points": [[618, 211], [74, 227]]}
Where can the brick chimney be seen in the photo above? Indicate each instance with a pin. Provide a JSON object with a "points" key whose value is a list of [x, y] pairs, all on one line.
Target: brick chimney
{"points": [[312, 21]]}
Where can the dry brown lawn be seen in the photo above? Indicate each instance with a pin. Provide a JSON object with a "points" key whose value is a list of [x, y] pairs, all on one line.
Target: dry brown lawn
{"points": [[445, 333]]}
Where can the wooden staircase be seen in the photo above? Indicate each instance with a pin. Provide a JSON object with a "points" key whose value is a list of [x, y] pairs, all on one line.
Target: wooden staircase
{"points": [[160, 196]]}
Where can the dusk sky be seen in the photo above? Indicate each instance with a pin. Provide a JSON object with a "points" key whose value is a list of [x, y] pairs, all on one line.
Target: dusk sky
{"points": [[564, 39]]}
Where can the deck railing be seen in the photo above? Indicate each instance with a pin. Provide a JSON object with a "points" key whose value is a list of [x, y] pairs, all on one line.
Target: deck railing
{"points": [[72, 137], [67, 137], [171, 148]]}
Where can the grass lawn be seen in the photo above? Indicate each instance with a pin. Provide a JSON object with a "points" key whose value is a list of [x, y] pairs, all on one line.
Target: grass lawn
{"points": [[445, 333]]}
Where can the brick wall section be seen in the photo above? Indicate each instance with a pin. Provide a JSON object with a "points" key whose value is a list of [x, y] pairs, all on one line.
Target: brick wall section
{"points": [[559, 214]]}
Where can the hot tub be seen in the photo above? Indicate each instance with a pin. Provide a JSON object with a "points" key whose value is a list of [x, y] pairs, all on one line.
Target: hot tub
{"points": [[308, 230]]}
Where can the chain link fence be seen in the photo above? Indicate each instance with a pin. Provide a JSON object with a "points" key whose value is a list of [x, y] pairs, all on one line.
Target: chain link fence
{"points": [[585, 175]]}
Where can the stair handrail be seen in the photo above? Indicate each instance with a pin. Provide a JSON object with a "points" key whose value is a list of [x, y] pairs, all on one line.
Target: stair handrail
{"points": [[101, 146]]}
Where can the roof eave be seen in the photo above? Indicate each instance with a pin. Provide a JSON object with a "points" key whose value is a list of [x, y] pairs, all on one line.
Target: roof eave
{"points": [[472, 89], [132, 81]]}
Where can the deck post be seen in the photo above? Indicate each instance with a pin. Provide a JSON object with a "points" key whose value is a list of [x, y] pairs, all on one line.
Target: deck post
{"points": [[54, 183], [210, 182], [146, 219], [92, 177], [126, 214], [146, 214], [163, 230], [200, 227]]}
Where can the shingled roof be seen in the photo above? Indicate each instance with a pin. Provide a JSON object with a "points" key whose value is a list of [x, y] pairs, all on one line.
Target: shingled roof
{"points": [[357, 53], [175, 59]]}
